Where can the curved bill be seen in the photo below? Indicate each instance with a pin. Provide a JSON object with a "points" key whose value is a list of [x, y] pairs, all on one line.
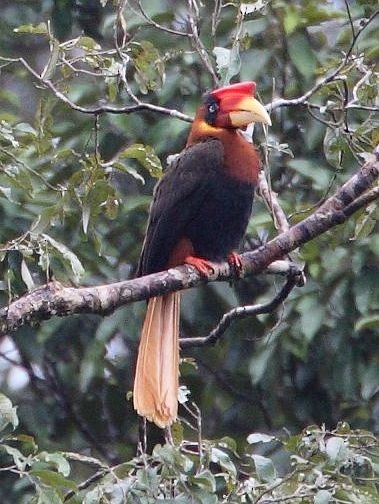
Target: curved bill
{"points": [[249, 110]]}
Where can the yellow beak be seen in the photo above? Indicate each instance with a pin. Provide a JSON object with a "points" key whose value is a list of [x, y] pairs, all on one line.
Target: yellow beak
{"points": [[249, 111]]}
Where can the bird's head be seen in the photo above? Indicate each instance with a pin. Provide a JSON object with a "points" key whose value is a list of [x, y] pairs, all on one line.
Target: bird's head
{"points": [[233, 107]]}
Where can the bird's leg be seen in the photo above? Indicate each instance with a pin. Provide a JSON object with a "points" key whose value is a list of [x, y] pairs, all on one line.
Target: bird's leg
{"points": [[203, 266], [235, 263]]}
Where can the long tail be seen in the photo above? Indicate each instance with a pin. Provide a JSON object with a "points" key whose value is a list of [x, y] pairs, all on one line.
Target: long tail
{"points": [[156, 382]]}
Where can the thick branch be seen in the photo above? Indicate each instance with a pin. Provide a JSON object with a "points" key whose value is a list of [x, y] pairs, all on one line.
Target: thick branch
{"points": [[336, 210], [54, 299]]}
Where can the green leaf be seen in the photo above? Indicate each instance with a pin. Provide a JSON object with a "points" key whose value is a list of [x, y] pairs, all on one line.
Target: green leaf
{"points": [[18, 458], [28, 443], [199, 496], [229, 443], [69, 256], [26, 276], [228, 62], [366, 222], [311, 170], [25, 129], [146, 156], [368, 322], [123, 167], [40, 29], [171, 456], [53, 479], [220, 457], [334, 146], [148, 478], [51, 66], [48, 496], [336, 449], [88, 43], [177, 433], [94, 496], [258, 437], [149, 66], [370, 380], [58, 460], [7, 134], [302, 55], [322, 497], [265, 468], [7, 192], [8, 413], [259, 362], [312, 316], [204, 480], [292, 18], [254, 6]]}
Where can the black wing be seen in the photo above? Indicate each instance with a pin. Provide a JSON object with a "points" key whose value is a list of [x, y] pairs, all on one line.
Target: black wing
{"points": [[177, 199]]}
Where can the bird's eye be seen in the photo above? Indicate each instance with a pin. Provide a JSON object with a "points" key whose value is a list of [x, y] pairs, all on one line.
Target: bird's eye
{"points": [[213, 107]]}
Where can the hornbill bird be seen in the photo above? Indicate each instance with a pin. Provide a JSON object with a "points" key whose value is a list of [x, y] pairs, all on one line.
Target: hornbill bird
{"points": [[199, 213]]}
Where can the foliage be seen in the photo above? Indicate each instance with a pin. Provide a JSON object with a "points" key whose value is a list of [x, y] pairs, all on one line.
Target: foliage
{"points": [[74, 193], [325, 467]]}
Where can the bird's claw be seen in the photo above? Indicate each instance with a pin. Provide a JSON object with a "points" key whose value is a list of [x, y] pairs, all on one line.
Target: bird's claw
{"points": [[203, 266], [235, 264]]}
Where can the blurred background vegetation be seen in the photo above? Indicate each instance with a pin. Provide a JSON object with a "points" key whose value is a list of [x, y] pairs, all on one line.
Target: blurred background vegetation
{"points": [[74, 195]]}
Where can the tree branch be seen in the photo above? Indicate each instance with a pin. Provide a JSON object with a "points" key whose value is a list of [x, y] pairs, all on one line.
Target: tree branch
{"points": [[102, 108], [241, 312], [272, 203], [54, 299], [193, 36]]}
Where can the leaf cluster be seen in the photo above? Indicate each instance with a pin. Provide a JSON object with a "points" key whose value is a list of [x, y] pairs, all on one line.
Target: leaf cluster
{"points": [[323, 467]]}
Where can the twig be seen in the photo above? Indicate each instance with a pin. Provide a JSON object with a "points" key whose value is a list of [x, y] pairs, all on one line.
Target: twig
{"points": [[28, 168], [272, 203], [159, 26], [85, 484], [103, 108], [275, 485], [216, 16], [362, 201], [319, 202], [196, 41], [303, 100], [336, 75], [238, 313], [358, 33], [350, 18]]}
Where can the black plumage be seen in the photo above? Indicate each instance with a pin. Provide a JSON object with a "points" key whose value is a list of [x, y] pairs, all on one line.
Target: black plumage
{"points": [[197, 200]]}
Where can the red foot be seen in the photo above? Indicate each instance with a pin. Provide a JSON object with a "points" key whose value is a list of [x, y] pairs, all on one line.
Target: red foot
{"points": [[235, 262], [203, 266]]}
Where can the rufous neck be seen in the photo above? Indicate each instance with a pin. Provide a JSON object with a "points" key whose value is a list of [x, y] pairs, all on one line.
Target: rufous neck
{"points": [[241, 159]]}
